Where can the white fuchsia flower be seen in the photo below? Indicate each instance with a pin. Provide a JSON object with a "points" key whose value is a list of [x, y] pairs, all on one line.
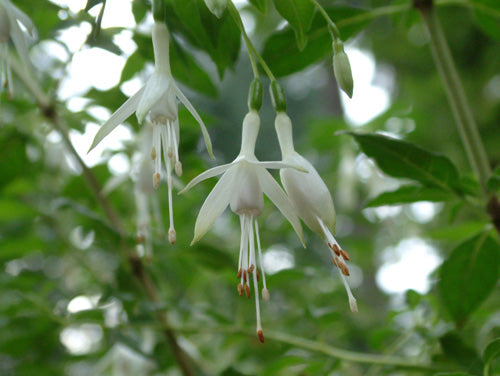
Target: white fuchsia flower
{"points": [[311, 198], [157, 101], [241, 187], [10, 18]]}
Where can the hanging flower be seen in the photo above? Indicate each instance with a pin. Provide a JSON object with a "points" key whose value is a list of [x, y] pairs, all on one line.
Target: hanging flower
{"points": [[241, 187], [10, 18], [311, 198], [157, 101]]}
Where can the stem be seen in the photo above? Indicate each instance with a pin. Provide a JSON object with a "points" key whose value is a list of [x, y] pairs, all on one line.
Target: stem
{"points": [[455, 93], [250, 47], [322, 348], [332, 27], [49, 110]]}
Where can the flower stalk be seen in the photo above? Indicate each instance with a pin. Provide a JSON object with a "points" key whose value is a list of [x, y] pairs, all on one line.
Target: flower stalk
{"points": [[462, 113]]}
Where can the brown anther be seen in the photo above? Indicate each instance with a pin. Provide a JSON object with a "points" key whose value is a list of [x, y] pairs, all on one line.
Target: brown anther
{"points": [[334, 259], [260, 335], [244, 275], [336, 249], [345, 255], [258, 276], [251, 268], [239, 274], [247, 291], [153, 153], [140, 239], [344, 269], [240, 289]]}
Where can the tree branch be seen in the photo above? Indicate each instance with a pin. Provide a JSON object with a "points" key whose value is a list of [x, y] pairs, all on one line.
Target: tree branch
{"points": [[49, 110]]}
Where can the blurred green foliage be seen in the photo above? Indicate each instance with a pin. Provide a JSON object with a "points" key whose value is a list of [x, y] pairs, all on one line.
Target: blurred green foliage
{"points": [[58, 250]]}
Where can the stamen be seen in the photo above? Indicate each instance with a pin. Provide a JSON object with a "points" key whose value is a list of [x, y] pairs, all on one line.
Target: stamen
{"points": [[240, 289], [333, 245], [172, 236], [156, 180], [139, 238], [345, 255], [265, 294], [247, 291], [260, 260], [260, 335], [153, 153], [252, 267], [238, 275], [178, 168], [352, 300], [244, 276]]}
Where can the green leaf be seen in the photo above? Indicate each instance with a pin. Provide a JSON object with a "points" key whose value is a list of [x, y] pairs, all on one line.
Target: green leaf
{"points": [[319, 44], [261, 5], [468, 276], [408, 194], [402, 159], [454, 348], [494, 180], [452, 374], [413, 298], [92, 3], [487, 13], [490, 353], [220, 38], [459, 231], [299, 14]]}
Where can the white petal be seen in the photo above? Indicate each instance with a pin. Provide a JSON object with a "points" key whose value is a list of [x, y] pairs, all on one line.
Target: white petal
{"points": [[118, 117], [214, 205], [276, 165], [156, 86], [195, 114], [272, 190], [19, 39], [207, 174], [24, 19]]}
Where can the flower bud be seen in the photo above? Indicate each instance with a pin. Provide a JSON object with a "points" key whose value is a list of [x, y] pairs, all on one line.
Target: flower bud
{"points": [[278, 96], [255, 95], [342, 68], [217, 7]]}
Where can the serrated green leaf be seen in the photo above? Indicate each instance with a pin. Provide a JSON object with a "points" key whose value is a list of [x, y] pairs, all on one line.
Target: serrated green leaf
{"points": [[409, 194], [261, 5], [468, 276], [402, 159], [319, 44], [299, 14], [490, 352]]}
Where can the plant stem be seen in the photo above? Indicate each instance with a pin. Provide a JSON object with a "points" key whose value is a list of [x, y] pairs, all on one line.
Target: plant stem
{"points": [[250, 47], [321, 348], [332, 27], [456, 96], [49, 110]]}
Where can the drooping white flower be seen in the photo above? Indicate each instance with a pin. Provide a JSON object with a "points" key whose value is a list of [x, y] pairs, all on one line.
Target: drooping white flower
{"points": [[241, 187], [311, 198], [10, 18], [157, 101]]}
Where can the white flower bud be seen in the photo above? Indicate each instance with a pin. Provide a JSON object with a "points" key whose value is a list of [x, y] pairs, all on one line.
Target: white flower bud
{"points": [[342, 68]]}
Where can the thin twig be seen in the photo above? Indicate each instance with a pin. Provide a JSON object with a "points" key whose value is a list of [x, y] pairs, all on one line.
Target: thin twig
{"points": [[49, 110]]}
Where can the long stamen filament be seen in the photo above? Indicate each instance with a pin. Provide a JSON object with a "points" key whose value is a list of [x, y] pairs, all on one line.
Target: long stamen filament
{"points": [[265, 291]]}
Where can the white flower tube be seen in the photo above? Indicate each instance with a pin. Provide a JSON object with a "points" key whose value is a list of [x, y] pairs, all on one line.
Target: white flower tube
{"points": [[311, 198]]}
